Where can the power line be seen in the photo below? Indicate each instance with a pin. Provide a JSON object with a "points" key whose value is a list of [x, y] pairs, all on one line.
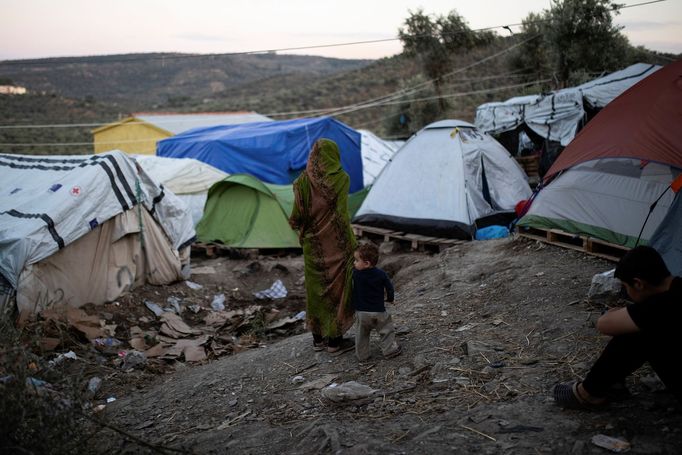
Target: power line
{"points": [[163, 57], [423, 85], [385, 103], [385, 100], [325, 111]]}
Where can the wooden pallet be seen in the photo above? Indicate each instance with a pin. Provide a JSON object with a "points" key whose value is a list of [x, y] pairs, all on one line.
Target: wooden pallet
{"points": [[530, 164], [207, 249], [585, 244], [417, 242]]}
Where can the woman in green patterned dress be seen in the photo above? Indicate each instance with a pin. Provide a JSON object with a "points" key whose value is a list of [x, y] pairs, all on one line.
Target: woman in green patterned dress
{"points": [[320, 216]]}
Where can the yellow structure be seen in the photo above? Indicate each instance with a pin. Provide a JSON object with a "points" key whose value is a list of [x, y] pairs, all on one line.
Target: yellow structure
{"points": [[139, 133], [130, 135]]}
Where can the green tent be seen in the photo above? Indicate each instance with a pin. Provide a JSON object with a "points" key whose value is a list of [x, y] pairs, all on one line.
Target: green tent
{"points": [[243, 212]]}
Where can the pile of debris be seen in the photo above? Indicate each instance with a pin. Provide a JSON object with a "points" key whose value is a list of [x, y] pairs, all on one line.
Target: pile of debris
{"points": [[134, 338]]}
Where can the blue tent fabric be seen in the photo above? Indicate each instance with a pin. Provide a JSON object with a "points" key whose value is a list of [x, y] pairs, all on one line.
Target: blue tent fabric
{"points": [[274, 152], [492, 232]]}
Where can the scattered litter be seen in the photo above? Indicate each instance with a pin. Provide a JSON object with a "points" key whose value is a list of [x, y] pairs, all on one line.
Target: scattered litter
{"points": [[107, 342], [297, 379], [153, 307], [609, 443], [60, 358], [348, 391], [134, 359], [111, 400], [175, 327], [465, 327], [540, 274], [276, 291], [300, 316], [207, 270], [35, 382], [318, 383], [88, 325], [218, 303], [279, 323], [174, 302], [194, 308], [93, 386], [604, 285], [443, 313], [191, 349], [193, 285], [99, 408], [232, 403]]}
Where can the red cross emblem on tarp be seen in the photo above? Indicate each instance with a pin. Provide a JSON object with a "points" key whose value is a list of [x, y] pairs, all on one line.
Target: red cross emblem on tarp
{"points": [[75, 191]]}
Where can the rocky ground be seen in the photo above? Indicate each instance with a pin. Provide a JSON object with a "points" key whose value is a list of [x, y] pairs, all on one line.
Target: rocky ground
{"points": [[487, 328]]}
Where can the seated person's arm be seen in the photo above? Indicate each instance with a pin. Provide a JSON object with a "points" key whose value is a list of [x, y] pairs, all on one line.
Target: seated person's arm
{"points": [[616, 321]]}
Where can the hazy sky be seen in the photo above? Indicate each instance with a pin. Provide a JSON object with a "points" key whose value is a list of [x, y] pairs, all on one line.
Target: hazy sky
{"points": [[47, 28]]}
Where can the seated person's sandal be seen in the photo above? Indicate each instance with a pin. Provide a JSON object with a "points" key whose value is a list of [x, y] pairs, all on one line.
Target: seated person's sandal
{"points": [[568, 396]]}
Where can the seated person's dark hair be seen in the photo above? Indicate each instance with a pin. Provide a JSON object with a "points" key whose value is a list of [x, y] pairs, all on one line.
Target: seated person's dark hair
{"points": [[368, 252], [642, 262]]}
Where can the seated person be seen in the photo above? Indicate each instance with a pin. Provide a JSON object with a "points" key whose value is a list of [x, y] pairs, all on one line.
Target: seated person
{"points": [[645, 331]]}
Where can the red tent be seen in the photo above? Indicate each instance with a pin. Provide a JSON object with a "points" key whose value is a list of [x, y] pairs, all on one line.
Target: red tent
{"points": [[644, 122]]}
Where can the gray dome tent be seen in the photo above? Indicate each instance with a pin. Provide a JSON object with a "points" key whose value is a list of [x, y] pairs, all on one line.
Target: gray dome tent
{"points": [[448, 180]]}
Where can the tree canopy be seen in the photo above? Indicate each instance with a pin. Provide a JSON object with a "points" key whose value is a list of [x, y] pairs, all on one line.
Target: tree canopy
{"points": [[577, 38]]}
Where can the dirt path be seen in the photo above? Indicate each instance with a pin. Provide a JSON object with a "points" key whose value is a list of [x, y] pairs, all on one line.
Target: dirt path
{"points": [[487, 328]]}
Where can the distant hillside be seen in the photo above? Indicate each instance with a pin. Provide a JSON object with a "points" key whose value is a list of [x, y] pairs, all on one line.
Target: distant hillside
{"points": [[143, 81], [105, 89], [383, 77]]}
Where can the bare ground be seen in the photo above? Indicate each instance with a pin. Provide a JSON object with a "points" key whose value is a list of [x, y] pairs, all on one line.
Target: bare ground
{"points": [[525, 301]]}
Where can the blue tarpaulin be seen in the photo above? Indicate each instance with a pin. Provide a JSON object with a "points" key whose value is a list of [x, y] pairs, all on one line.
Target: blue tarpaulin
{"points": [[274, 152]]}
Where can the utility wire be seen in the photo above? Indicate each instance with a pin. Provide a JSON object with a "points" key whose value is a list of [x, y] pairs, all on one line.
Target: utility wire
{"points": [[164, 57], [424, 85], [384, 103], [319, 111]]}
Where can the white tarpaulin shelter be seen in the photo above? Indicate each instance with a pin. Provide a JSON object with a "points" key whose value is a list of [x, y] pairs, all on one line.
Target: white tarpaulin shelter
{"points": [[448, 180], [376, 152], [188, 178], [85, 229], [556, 116]]}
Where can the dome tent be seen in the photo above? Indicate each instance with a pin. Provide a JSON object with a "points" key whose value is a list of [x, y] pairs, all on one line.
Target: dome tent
{"points": [[448, 180], [605, 181], [243, 212]]}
